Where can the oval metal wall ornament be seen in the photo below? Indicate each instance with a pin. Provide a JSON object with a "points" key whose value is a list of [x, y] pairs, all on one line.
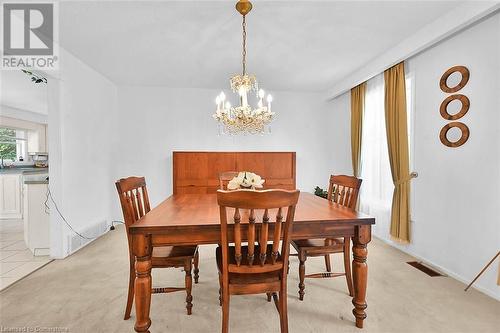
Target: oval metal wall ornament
{"points": [[464, 71], [443, 109], [463, 138]]}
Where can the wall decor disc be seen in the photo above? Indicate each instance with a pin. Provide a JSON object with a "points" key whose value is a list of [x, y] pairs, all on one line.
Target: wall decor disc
{"points": [[443, 109], [463, 138], [443, 84]]}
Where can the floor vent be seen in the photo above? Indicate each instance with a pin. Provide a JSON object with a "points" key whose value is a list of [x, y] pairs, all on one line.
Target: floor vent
{"points": [[423, 268], [75, 242]]}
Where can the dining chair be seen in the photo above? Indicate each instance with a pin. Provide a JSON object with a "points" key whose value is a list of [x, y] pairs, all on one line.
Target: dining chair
{"points": [[225, 177], [343, 190], [135, 204], [260, 266]]}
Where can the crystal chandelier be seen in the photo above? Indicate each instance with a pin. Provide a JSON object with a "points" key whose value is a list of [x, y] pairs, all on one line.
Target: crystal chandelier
{"points": [[244, 118]]}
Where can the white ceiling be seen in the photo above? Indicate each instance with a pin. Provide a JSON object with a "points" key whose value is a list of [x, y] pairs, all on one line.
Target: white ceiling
{"points": [[18, 91], [292, 45]]}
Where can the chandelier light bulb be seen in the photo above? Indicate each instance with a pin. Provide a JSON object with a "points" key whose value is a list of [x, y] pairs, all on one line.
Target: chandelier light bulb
{"points": [[217, 100], [269, 98], [222, 96], [228, 105], [261, 93]]}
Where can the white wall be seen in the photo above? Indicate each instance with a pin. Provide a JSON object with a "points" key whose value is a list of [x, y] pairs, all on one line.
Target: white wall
{"points": [[153, 122], [82, 105], [457, 194], [339, 152]]}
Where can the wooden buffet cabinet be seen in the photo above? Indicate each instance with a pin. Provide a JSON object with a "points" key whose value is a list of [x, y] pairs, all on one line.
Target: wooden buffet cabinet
{"points": [[198, 172]]}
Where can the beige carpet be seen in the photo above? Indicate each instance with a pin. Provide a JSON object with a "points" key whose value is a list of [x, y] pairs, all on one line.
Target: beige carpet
{"points": [[87, 292]]}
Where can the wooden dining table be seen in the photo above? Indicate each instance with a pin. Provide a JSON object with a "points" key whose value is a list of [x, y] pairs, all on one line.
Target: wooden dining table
{"points": [[184, 219]]}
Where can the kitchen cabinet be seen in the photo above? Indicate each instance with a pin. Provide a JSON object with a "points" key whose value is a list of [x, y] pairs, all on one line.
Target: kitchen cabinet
{"points": [[36, 218], [10, 196]]}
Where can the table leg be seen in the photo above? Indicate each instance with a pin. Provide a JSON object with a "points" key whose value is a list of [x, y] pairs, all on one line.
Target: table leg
{"points": [[362, 237], [142, 250]]}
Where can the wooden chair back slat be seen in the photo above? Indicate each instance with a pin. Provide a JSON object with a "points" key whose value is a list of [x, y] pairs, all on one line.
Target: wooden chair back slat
{"points": [[133, 206], [342, 195], [145, 198], [133, 203], [246, 203], [251, 237], [263, 237], [277, 235], [335, 194], [340, 198], [344, 190], [138, 199], [237, 236], [225, 177]]}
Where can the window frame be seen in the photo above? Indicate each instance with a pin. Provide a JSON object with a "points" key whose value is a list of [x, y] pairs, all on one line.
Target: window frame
{"points": [[411, 121]]}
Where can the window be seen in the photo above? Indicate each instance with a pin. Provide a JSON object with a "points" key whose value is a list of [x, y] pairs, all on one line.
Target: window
{"points": [[12, 144], [376, 191], [377, 188]]}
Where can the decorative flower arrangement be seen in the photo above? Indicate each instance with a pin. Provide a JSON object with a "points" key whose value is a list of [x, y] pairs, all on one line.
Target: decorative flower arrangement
{"points": [[245, 179]]}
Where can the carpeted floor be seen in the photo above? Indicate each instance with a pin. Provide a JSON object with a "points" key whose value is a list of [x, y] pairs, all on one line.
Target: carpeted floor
{"points": [[87, 293]]}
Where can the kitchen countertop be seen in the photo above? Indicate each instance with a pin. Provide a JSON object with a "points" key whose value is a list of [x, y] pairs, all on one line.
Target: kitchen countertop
{"points": [[23, 170], [36, 179]]}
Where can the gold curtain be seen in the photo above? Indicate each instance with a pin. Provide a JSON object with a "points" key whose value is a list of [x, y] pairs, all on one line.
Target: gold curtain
{"points": [[397, 142], [357, 110]]}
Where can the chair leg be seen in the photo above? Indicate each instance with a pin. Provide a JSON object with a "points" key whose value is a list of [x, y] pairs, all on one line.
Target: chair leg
{"points": [[283, 309], [131, 283], [328, 263], [189, 286], [220, 289], [196, 267], [302, 273], [277, 303], [269, 297], [347, 265], [225, 310]]}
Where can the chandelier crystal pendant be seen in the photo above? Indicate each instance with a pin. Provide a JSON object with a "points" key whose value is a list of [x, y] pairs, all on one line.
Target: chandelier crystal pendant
{"points": [[244, 118]]}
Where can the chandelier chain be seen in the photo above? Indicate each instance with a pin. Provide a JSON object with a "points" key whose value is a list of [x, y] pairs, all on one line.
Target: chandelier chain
{"points": [[244, 54]]}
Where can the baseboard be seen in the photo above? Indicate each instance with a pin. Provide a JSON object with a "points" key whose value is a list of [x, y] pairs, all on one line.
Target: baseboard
{"points": [[441, 269]]}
